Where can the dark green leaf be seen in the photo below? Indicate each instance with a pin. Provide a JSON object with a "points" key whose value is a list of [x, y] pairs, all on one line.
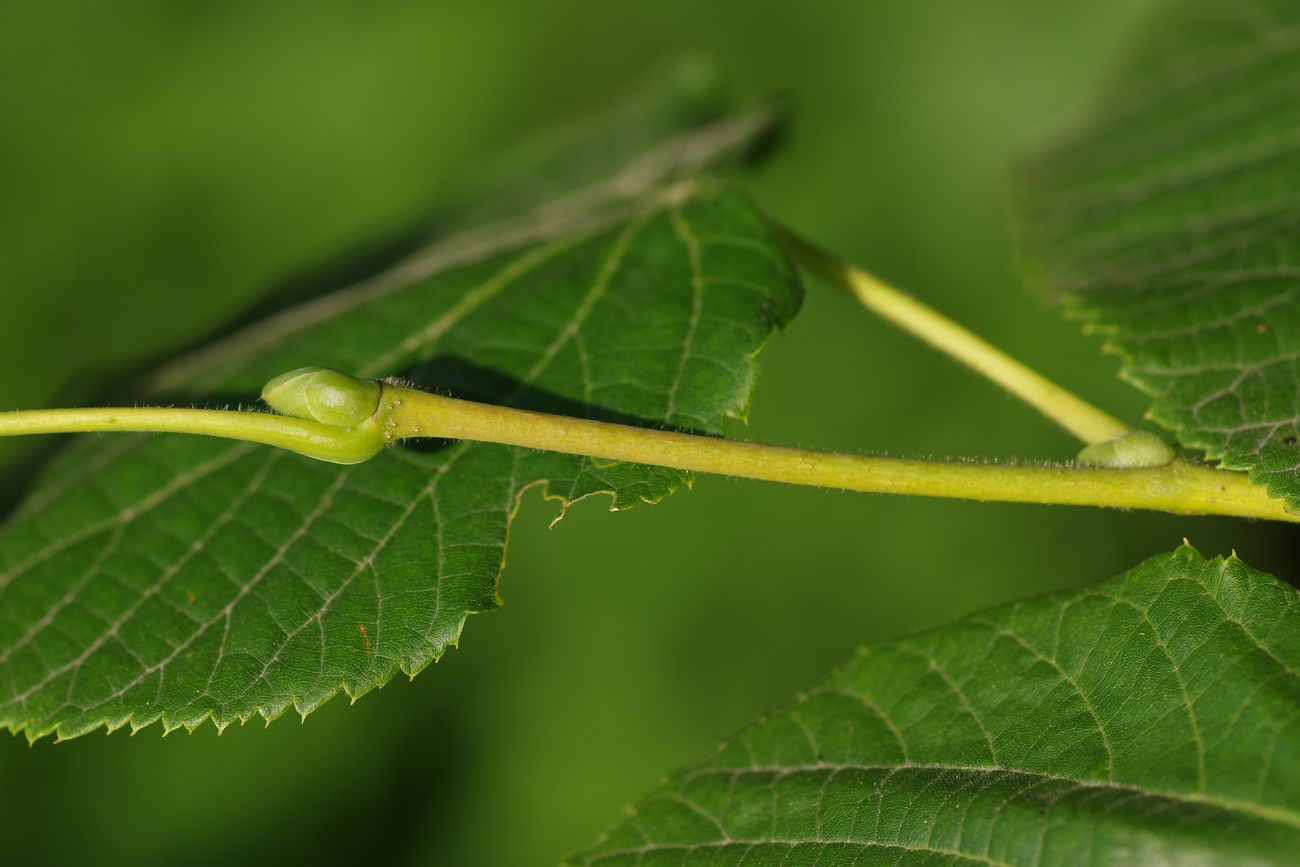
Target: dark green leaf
{"points": [[1172, 222], [183, 579], [1151, 719]]}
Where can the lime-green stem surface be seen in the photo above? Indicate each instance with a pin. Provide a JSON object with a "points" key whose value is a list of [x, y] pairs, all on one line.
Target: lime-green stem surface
{"points": [[311, 438], [405, 413], [1178, 486], [1082, 419]]}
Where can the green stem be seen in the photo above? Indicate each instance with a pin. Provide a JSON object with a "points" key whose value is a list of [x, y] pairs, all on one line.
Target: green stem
{"points": [[1178, 486], [361, 418], [1085, 421], [341, 445]]}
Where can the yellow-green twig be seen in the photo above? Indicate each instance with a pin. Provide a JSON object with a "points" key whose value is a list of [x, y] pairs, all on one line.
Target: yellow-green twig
{"points": [[308, 437], [1085, 421], [349, 420], [1178, 486]]}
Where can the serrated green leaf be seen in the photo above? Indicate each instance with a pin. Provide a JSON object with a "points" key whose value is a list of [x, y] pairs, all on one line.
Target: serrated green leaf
{"points": [[183, 579], [1150, 719], [1172, 222]]}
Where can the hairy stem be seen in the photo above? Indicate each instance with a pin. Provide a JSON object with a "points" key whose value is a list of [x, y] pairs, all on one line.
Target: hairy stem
{"points": [[1085, 421], [404, 413], [1178, 486], [308, 437]]}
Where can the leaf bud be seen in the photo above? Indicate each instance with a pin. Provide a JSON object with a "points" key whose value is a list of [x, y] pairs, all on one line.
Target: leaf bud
{"points": [[323, 395], [1128, 451]]}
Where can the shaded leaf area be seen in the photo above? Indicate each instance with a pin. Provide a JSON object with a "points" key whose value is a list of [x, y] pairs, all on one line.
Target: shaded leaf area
{"points": [[181, 579], [633, 138], [1171, 222], [1150, 719]]}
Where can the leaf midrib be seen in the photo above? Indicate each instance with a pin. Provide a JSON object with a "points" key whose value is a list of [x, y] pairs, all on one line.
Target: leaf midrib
{"points": [[793, 844], [1264, 812], [201, 370]]}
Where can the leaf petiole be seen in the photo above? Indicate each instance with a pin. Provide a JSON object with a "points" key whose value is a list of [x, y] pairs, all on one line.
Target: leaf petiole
{"points": [[1090, 424]]}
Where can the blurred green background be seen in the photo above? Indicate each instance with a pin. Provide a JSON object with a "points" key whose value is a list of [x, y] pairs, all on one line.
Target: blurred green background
{"points": [[164, 165]]}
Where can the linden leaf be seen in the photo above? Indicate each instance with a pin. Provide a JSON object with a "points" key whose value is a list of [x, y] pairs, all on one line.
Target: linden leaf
{"points": [[1171, 222], [182, 579], [1150, 719]]}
